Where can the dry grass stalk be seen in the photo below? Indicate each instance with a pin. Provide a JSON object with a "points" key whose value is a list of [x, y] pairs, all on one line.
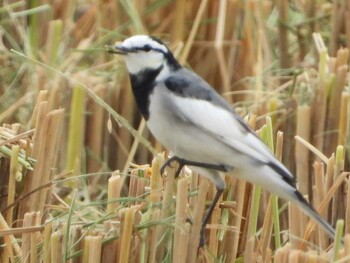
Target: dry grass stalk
{"points": [[347, 209], [134, 146], [115, 183], [108, 16], [109, 251], [213, 242], [333, 113], [268, 220], [281, 253], [179, 21], [156, 183], [76, 242], [347, 245], [319, 106], [249, 254], [44, 151], [151, 236], [77, 126], [252, 224], [320, 191], [342, 57], [20, 230], [219, 48], [338, 206], [302, 168], [347, 22], [330, 172], [283, 33], [95, 249], [313, 149], [166, 211], [194, 186], [42, 96], [190, 39], [47, 242], [344, 119], [301, 153], [324, 204], [30, 240], [126, 234], [14, 166], [136, 184], [56, 247], [86, 251], [54, 35], [295, 225], [198, 217], [94, 140], [319, 115], [334, 28], [279, 145], [266, 230], [181, 231], [239, 217], [332, 62], [124, 140], [11, 248], [337, 244]]}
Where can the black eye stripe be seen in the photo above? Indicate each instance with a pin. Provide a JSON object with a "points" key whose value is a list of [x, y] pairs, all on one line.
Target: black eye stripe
{"points": [[147, 48]]}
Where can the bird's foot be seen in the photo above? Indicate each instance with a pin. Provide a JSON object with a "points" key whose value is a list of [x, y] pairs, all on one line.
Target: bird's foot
{"points": [[168, 162], [183, 162]]}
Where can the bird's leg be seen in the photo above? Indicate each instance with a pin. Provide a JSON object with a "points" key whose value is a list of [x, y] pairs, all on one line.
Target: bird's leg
{"points": [[219, 182], [183, 162], [207, 216]]}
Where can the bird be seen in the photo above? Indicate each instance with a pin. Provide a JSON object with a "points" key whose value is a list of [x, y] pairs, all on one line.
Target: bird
{"points": [[200, 128]]}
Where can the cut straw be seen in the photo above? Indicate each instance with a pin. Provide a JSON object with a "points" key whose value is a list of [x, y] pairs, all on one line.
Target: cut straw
{"points": [[126, 236], [198, 217], [166, 210], [114, 188], [320, 191], [76, 127], [56, 247], [338, 202], [181, 230], [12, 182], [301, 152]]}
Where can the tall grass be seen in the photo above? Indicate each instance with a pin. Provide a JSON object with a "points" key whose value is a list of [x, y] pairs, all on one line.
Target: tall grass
{"points": [[79, 171]]}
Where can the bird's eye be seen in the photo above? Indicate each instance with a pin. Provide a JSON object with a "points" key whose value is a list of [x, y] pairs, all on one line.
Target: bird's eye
{"points": [[147, 48]]}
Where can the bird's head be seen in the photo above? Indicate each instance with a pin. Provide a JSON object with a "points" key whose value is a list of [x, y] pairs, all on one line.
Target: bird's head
{"points": [[142, 52]]}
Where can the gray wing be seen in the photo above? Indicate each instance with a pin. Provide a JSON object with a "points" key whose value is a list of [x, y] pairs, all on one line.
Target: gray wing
{"points": [[207, 110]]}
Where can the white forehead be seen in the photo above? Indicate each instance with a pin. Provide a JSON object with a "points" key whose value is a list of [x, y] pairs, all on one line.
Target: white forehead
{"points": [[141, 41]]}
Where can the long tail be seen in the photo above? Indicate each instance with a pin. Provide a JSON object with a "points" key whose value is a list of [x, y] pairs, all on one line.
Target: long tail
{"points": [[309, 210]]}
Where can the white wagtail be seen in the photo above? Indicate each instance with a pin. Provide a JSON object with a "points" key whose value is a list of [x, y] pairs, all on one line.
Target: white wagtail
{"points": [[199, 127]]}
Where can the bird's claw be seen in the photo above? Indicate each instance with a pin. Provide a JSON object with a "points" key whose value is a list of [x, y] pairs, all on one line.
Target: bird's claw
{"points": [[168, 162]]}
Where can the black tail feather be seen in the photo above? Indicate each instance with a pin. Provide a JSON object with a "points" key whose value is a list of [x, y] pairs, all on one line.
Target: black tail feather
{"points": [[309, 210]]}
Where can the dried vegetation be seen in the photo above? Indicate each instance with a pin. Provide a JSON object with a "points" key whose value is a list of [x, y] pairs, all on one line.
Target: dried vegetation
{"points": [[70, 135]]}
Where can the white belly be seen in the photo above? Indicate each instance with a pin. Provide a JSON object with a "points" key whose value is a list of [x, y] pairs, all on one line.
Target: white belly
{"points": [[182, 138]]}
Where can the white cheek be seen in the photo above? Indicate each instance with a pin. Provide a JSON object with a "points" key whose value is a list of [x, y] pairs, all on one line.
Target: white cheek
{"points": [[132, 64], [141, 61]]}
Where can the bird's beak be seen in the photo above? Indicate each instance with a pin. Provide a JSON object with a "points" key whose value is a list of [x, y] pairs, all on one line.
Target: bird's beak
{"points": [[117, 49]]}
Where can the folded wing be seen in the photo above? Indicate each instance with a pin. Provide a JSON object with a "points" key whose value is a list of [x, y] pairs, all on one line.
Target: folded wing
{"points": [[198, 104]]}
